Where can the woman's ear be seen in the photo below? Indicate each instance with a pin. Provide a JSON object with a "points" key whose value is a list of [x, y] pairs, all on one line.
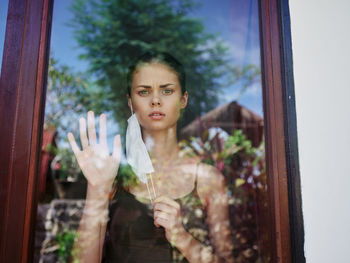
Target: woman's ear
{"points": [[184, 99], [129, 100]]}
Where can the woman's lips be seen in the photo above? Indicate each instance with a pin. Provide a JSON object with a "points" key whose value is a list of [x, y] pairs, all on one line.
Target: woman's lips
{"points": [[156, 115]]}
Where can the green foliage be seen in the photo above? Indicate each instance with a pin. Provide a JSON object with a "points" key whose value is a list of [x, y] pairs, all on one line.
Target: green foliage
{"points": [[126, 176], [113, 32], [69, 94], [65, 242], [217, 151], [238, 142], [68, 165]]}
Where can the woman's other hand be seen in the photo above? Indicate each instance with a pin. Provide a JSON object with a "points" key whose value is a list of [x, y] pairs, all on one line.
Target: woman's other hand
{"points": [[167, 213], [97, 165]]}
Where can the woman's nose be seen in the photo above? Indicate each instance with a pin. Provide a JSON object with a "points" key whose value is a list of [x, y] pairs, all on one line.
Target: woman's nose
{"points": [[155, 101]]}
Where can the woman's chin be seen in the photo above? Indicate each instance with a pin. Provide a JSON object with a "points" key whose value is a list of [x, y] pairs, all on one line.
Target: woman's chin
{"points": [[158, 127]]}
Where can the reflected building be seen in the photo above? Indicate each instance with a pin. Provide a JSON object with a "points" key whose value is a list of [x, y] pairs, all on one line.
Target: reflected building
{"points": [[228, 117]]}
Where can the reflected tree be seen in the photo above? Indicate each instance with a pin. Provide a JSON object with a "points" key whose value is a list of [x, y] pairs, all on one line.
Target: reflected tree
{"points": [[69, 94], [113, 32]]}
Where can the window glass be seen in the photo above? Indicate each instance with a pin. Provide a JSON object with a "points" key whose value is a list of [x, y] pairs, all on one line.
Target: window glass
{"points": [[153, 146], [3, 18]]}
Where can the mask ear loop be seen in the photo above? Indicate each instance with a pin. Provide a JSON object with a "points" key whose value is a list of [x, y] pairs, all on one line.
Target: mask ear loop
{"points": [[131, 109], [154, 191], [149, 192]]}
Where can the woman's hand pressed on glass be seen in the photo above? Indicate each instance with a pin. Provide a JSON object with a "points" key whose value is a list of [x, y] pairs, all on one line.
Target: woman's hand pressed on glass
{"points": [[97, 165]]}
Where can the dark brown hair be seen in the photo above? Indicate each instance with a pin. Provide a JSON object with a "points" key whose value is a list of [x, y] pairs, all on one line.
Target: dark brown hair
{"points": [[157, 57]]}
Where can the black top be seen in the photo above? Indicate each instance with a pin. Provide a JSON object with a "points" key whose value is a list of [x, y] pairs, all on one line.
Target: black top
{"points": [[132, 236]]}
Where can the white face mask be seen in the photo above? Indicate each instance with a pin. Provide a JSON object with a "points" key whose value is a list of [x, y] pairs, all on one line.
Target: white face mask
{"points": [[136, 151]]}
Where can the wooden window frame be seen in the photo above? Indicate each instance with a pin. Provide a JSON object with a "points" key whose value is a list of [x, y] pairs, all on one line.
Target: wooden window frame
{"points": [[22, 104]]}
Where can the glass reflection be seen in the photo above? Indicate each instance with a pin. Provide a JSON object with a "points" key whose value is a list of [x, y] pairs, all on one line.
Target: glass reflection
{"points": [[192, 185]]}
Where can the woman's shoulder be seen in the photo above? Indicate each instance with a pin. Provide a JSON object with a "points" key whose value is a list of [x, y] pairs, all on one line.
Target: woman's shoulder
{"points": [[208, 173], [203, 170], [209, 181]]}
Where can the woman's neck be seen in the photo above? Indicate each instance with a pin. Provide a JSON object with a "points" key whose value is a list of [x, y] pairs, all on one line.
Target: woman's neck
{"points": [[162, 145]]}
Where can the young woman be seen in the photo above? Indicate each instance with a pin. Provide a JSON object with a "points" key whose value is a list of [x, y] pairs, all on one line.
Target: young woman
{"points": [[188, 218]]}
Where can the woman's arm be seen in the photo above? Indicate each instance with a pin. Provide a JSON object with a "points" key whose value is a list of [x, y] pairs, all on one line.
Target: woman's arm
{"points": [[100, 169], [212, 190], [92, 228]]}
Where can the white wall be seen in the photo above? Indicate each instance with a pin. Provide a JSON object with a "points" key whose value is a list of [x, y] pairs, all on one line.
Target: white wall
{"points": [[321, 54]]}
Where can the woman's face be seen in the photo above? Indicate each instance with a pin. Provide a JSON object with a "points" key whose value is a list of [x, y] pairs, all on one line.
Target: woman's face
{"points": [[156, 96]]}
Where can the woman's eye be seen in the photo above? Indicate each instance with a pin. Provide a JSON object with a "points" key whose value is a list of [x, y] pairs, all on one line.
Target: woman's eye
{"points": [[168, 91], [143, 92]]}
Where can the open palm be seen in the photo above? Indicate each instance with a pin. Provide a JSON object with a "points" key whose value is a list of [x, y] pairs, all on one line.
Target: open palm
{"points": [[98, 166]]}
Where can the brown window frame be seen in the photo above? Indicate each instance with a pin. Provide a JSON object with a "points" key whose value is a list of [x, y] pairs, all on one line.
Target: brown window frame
{"points": [[22, 104]]}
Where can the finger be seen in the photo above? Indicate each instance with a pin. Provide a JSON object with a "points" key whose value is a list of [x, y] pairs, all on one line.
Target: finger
{"points": [[161, 222], [162, 215], [103, 130], [162, 207], [91, 128], [167, 200], [117, 148], [73, 144], [83, 136]]}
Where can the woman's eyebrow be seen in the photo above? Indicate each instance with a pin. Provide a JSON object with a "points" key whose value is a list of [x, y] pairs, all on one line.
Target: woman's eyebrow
{"points": [[161, 86], [143, 86], [166, 85]]}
